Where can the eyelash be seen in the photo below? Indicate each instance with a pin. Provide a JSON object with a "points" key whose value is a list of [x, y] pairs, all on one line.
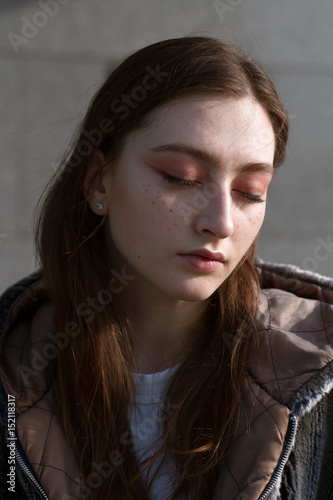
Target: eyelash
{"points": [[171, 179], [252, 197], [176, 180]]}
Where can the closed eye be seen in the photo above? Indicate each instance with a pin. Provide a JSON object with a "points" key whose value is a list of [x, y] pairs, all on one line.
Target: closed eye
{"points": [[253, 197], [171, 179]]}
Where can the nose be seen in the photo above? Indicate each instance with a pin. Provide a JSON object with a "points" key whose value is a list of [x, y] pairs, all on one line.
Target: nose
{"points": [[216, 215]]}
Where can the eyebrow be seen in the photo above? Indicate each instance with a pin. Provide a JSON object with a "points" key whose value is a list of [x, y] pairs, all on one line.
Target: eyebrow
{"points": [[211, 159]]}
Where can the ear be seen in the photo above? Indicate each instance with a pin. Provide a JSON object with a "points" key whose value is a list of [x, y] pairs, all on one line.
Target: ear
{"points": [[93, 186]]}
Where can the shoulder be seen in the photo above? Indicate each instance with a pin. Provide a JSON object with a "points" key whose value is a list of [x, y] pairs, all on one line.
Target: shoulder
{"points": [[295, 303], [25, 294], [286, 312], [27, 318], [293, 359]]}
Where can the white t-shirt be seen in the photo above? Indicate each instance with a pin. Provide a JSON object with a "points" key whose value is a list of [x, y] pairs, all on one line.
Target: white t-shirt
{"points": [[146, 425]]}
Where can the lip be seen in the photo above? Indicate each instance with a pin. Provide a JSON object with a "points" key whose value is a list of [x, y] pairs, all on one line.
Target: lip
{"points": [[204, 260], [207, 254]]}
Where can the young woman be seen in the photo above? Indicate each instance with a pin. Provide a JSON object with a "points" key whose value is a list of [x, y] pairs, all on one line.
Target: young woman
{"points": [[152, 358]]}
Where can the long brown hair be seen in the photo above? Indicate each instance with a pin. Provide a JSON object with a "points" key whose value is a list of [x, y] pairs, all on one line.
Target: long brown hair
{"points": [[95, 370]]}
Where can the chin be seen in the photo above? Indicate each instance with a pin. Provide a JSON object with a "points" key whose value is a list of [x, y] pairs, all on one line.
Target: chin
{"points": [[194, 293]]}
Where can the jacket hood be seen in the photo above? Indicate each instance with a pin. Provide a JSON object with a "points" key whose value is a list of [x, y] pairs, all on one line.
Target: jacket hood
{"points": [[289, 370]]}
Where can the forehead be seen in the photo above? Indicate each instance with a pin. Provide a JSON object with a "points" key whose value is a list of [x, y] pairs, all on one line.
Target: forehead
{"points": [[223, 125]]}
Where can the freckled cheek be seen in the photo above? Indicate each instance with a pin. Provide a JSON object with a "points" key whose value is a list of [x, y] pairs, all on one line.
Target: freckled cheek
{"points": [[168, 218], [248, 227], [165, 213], [150, 207], [256, 221], [133, 208], [147, 208]]}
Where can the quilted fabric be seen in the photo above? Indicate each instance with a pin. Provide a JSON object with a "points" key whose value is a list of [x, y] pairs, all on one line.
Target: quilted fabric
{"points": [[289, 373], [291, 365]]}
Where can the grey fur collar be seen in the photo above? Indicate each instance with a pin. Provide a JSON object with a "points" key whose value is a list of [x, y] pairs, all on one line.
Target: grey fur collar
{"points": [[291, 271]]}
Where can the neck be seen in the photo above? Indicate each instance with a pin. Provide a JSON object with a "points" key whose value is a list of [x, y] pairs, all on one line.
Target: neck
{"points": [[162, 328]]}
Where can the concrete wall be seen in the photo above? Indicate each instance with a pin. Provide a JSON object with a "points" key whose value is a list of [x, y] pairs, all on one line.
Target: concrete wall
{"points": [[49, 75]]}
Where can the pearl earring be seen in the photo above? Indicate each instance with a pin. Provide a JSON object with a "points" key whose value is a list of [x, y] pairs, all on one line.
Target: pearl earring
{"points": [[99, 206]]}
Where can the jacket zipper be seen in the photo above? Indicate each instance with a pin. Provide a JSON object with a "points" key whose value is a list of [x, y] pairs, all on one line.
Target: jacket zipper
{"points": [[283, 459], [270, 486], [30, 476]]}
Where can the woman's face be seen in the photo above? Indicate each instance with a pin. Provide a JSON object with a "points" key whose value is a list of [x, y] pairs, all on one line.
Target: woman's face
{"points": [[187, 197]]}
